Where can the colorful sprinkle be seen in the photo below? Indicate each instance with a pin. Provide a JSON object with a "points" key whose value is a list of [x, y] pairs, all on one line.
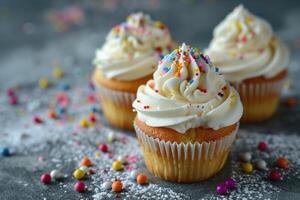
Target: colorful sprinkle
{"points": [[282, 163], [274, 175], [79, 186], [262, 146], [247, 167], [78, 174], [45, 178]]}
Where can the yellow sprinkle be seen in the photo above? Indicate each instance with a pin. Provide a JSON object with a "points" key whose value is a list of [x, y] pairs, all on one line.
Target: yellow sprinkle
{"points": [[43, 83], [248, 20], [117, 165], [97, 154], [158, 24], [247, 167], [84, 123], [57, 72], [78, 174], [232, 101], [238, 25]]}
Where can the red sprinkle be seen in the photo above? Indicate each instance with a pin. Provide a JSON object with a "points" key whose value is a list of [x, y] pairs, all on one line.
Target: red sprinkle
{"points": [[290, 102], [13, 100], [103, 147], [146, 107], [202, 89], [45, 178], [79, 186], [262, 146], [10, 92], [37, 120], [274, 175]]}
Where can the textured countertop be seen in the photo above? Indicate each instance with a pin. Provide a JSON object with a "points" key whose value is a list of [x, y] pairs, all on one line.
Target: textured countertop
{"points": [[32, 42]]}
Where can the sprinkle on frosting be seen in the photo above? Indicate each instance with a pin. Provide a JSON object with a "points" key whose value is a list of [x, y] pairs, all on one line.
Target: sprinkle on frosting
{"points": [[187, 92], [244, 46], [133, 48]]}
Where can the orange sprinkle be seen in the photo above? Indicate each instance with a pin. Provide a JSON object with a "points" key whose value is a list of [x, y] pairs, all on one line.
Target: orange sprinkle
{"points": [[282, 163], [116, 186], [86, 162], [141, 179], [291, 101], [51, 114]]}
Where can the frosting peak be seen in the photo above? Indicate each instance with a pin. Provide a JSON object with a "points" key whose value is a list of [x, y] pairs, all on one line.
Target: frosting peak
{"points": [[133, 48], [244, 46], [187, 92]]}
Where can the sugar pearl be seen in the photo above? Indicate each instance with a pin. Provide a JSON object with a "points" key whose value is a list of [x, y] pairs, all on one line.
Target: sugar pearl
{"points": [[56, 174], [79, 186], [106, 185], [261, 164], [133, 174], [246, 157], [45, 178]]}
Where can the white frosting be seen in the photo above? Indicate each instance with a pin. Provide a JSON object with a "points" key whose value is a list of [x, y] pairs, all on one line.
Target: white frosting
{"points": [[243, 46], [187, 92], [132, 49]]}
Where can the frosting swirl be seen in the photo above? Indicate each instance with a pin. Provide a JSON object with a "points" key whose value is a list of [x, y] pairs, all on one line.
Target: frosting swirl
{"points": [[133, 48], [187, 92], [243, 46]]}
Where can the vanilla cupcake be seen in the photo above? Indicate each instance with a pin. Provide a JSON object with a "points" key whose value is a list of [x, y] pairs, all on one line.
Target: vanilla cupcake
{"points": [[126, 60], [187, 117], [253, 59]]}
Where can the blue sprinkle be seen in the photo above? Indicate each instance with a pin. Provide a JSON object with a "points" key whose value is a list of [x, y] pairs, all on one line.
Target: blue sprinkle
{"points": [[64, 87], [166, 69], [161, 56], [5, 152], [59, 110], [191, 81], [95, 109]]}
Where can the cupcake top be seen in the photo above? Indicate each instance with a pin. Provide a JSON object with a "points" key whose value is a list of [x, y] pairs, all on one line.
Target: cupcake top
{"points": [[187, 92], [133, 48], [244, 46]]}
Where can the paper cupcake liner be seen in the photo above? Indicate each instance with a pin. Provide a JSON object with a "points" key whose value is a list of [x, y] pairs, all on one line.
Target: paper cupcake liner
{"points": [[117, 107], [117, 97], [260, 100], [184, 162]]}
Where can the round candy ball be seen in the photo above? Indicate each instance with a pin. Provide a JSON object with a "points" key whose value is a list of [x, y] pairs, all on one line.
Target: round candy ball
{"points": [[274, 175], [230, 183], [86, 162], [45, 178], [116, 186], [221, 189], [78, 174], [106, 185], [262, 146], [141, 179], [247, 167], [56, 174], [5, 152], [117, 165], [133, 174], [261, 164], [103, 147], [79, 186], [282, 163], [246, 157]]}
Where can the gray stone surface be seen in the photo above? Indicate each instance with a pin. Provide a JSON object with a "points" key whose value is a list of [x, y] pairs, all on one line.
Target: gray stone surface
{"points": [[24, 58]]}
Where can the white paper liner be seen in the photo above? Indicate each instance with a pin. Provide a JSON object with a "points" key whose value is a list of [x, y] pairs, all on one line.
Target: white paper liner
{"points": [[194, 154], [119, 98], [259, 89]]}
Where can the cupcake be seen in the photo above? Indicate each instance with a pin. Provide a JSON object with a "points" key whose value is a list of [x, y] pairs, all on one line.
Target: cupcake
{"points": [[126, 60], [187, 117], [253, 59]]}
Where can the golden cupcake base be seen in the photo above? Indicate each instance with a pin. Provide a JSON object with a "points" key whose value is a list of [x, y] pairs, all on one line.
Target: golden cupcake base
{"points": [[184, 162], [260, 96], [116, 98]]}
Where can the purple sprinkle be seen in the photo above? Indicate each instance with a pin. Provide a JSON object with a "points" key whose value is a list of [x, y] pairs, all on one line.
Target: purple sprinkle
{"points": [[221, 189], [230, 183]]}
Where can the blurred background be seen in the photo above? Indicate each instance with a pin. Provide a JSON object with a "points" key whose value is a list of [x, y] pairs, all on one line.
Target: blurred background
{"points": [[37, 34]]}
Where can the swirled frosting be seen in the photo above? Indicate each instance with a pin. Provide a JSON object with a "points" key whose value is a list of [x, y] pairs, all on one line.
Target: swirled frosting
{"points": [[187, 92], [244, 46], [133, 48]]}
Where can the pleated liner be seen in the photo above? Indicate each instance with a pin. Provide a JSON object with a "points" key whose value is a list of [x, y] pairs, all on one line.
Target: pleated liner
{"points": [[184, 162]]}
